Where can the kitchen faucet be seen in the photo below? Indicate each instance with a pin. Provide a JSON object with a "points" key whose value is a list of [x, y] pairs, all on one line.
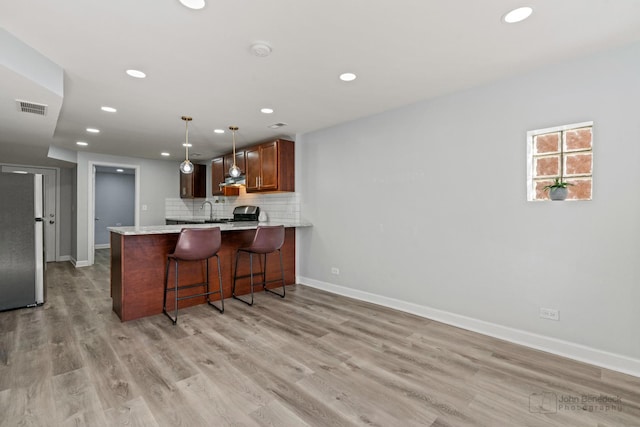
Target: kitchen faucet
{"points": [[210, 209]]}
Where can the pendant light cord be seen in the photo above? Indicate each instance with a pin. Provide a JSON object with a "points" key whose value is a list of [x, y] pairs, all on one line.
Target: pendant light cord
{"points": [[233, 135], [186, 142], [233, 138]]}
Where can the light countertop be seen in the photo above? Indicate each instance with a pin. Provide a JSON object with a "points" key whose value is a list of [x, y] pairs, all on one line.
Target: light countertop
{"points": [[198, 219], [231, 226]]}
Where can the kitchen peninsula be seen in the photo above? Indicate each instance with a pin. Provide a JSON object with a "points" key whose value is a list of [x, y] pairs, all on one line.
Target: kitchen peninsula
{"points": [[139, 256]]}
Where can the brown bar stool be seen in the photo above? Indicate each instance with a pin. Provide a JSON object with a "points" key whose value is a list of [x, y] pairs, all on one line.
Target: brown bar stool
{"points": [[268, 239], [194, 244]]}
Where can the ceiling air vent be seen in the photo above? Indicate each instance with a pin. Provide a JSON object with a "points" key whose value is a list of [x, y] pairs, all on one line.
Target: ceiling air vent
{"points": [[31, 107], [277, 125]]}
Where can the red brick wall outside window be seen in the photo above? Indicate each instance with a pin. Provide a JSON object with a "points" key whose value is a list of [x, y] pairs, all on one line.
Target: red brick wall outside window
{"points": [[566, 151]]}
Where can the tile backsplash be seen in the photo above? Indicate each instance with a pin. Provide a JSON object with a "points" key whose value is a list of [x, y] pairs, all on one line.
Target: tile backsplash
{"points": [[277, 206]]}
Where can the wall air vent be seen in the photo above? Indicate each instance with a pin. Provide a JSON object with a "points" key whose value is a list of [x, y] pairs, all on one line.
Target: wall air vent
{"points": [[277, 125], [31, 107]]}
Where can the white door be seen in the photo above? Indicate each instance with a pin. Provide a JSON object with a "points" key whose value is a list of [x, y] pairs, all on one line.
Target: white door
{"points": [[50, 183]]}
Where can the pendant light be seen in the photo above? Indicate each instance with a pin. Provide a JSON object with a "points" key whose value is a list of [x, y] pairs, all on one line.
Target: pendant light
{"points": [[234, 170], [186, 167]]}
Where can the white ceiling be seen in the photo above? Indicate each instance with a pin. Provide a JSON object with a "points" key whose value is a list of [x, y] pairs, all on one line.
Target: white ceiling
{"points": [[199, 63]]}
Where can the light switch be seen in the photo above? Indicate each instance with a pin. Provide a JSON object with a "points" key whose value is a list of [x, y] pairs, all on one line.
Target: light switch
{"points": [[144, 207]]}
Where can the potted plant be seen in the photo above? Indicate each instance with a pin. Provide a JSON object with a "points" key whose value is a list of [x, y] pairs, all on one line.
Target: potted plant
{"points": [[558, 190]]}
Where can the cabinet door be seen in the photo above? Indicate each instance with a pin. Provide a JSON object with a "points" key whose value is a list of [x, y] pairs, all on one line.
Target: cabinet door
{"points": [[217, 175], [269, 166], [199, 181], [186, 185], [194, 185], [253, 168], [240, 162]]}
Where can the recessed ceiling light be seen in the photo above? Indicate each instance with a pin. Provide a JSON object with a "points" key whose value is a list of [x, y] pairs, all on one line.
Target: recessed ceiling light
{"points": [[137, 74], [347, 77], [266, 110], [517, 15], [108, 109], [187, 145], [119, 170], [193, 4], [84, 144], [93, 130], [218, 130], [164, 153]]}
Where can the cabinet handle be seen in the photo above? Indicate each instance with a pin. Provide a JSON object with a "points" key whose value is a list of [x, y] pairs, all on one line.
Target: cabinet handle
{"points": [[257, 186]]}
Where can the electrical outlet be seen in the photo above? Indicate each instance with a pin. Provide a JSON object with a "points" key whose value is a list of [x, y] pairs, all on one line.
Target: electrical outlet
{"points": [[144, 207], [549, 313], [335, 270]]}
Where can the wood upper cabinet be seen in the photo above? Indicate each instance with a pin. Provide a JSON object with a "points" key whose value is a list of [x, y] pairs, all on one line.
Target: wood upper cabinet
{"points": [[219, 171], [217, 176], [194, 185], [240, 162], [270, 167]]}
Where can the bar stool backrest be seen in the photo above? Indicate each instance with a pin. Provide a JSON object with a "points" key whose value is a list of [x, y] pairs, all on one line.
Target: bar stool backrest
{"points": [[197, 243], [267, 239]]}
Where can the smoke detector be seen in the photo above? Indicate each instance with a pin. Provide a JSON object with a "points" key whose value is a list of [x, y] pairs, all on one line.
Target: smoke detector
{"points": [[261, 49], [277, 125], [31, 107]]}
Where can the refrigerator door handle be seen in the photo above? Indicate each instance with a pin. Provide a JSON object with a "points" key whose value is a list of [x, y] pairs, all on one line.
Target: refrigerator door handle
{"points": [[39, 237]]}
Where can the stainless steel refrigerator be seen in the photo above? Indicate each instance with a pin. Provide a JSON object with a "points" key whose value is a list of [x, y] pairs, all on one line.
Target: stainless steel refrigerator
{"points": [[22, 260]]}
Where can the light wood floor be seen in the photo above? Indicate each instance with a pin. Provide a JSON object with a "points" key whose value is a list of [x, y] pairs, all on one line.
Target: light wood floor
{"points": [[311, 359]]}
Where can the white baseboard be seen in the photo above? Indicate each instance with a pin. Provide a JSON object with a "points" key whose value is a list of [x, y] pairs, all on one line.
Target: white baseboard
{"points": [[579, 352], [102, 246], [64, 258], [78, 264]]}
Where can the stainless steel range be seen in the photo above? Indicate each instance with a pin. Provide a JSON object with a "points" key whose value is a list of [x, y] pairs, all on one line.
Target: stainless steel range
{"points": [[246, 213], [240, 214]]}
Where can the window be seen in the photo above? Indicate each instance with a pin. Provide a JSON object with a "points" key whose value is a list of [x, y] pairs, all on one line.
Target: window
{"points": [[565, 153]]}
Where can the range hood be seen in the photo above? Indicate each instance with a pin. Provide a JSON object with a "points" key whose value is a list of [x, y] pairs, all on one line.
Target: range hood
{"points": [[233, 182]]}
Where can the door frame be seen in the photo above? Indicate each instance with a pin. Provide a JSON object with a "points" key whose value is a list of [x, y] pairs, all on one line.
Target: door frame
{"points": [[7, 167], [91, 208]]}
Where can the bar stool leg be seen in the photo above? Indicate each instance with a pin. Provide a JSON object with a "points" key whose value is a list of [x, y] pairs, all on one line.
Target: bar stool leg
{"points": [[251, 272], [206, 278], [220, 283], [264, 286], [166, 288], [175, 319], [264, 271], [235, 275], [221, 308], [175, 291]]}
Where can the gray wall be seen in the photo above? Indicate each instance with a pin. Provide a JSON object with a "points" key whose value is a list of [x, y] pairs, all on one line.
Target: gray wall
{"points": [[66, 211], [74, 213], [440, 189], [158, 180], [115, 203]]}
